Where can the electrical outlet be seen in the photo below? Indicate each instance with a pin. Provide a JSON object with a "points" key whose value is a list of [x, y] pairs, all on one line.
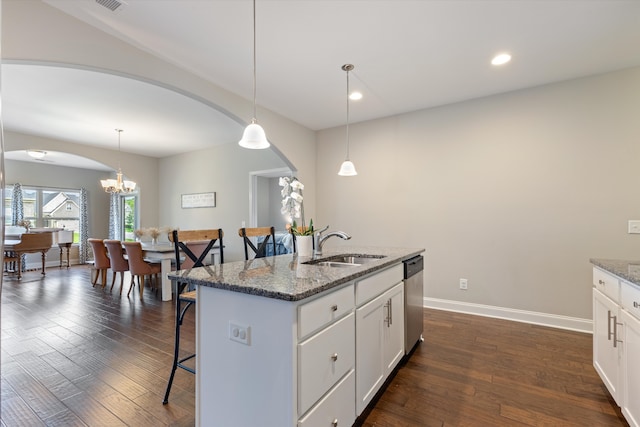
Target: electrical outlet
{"points": [[634, 226], [463, 284], [240, 333]]}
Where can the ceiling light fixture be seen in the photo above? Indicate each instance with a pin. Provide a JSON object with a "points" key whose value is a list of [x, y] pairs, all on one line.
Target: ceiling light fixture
{"points": [[37, 154], [347, 168], [118, 185], [501, 59], [254, 136], [355, 96]]}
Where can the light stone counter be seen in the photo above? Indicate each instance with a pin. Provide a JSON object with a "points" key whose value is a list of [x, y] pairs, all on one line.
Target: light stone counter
{"points": [[286, 277], [628, 270]]}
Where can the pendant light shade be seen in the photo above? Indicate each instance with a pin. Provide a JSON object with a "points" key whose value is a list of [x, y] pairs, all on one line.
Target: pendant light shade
{"points": [[347, 168], [254, 136]]}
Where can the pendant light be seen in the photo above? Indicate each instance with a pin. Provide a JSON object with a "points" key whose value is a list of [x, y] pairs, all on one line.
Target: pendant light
{"points": [[347, 168], [254, 136], [118, 185]]}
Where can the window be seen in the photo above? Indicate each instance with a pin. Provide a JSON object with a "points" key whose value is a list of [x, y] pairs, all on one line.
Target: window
{"points": [[47, 207], [130, 216]]}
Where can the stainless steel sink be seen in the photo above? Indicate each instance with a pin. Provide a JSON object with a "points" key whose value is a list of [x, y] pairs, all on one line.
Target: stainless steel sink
{"points": [[345, 260], [333, 264]]}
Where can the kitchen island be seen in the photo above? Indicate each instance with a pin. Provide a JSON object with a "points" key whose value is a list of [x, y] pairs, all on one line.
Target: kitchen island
{"points": [[281, 342], [616, 332]]}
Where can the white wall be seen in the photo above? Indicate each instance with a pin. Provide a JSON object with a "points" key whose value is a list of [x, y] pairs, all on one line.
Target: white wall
{"points": [[35, 32], [224, 170], [513, 192]]}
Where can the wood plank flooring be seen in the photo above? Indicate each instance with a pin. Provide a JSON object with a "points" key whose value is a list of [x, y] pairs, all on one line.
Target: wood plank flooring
{"points": [[73, 355]]}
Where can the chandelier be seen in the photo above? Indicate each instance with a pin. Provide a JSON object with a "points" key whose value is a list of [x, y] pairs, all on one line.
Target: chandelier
{"points": [[118, 185]]}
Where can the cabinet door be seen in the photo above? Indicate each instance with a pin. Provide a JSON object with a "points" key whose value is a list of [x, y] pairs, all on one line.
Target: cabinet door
{"points": [[605, 354], [393, 328], [370, 369], [631, 369]]}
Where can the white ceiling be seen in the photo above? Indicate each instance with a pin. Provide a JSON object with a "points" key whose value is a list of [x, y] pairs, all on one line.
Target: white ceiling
{"points": [[408, 55]]}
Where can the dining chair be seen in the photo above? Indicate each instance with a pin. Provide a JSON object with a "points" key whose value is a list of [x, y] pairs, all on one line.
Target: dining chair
{"points": [[260, 250], [139, 267], [101, 261], [196, 245], [119, 263]]}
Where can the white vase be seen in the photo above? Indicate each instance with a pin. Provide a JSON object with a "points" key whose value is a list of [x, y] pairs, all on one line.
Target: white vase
{"points": [[304, 245]]}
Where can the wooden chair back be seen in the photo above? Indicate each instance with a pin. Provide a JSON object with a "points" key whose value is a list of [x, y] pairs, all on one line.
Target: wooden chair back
{"points": [[196, 246], [260, 250]]}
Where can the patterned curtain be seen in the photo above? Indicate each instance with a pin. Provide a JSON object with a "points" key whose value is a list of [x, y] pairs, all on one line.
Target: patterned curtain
{"points": [[114, 217], [84, 227], [17, 214], [17, 207]]}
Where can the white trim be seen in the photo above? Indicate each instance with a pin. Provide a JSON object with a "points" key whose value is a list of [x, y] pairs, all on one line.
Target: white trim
{"points": [[532, 317]]}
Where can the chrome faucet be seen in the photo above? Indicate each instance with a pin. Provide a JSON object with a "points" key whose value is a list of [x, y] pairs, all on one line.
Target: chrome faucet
{"points": [[319, 238]]}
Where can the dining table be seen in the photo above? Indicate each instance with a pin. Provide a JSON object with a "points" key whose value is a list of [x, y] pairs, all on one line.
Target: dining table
{"points": [[164, 253]]}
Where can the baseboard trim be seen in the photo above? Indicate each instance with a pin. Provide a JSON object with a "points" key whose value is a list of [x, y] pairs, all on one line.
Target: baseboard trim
{"points": [[532, 317]]}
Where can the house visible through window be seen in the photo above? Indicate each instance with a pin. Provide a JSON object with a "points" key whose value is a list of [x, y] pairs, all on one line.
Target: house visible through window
{"points": [[47, 207]]}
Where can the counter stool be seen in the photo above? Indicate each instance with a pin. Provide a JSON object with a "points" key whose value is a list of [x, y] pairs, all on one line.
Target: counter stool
{"points": [[260, 250], [196, 246]]}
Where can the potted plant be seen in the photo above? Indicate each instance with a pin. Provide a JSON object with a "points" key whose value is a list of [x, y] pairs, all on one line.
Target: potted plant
{"points": [[293, 206]]}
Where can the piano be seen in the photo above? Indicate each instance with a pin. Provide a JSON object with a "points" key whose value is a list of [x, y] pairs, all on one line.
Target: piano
{"points": [[29, 243]]}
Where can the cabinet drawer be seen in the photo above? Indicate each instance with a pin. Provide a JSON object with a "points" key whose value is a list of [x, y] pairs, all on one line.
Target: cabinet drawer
{"points": [[607, 284], [320, 312], [630, 297], [371, 287], [323, 359], [336, 408]]}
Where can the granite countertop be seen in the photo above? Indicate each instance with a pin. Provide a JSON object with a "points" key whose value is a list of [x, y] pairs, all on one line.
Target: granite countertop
{"points": [[286, 277], [628, 270]]}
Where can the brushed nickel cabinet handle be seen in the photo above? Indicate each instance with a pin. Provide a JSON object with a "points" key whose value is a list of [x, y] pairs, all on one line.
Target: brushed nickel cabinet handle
{"points": [[609, 332], [636, 304], [615, 331], [334, 357], [334, 423], [334, 307]]}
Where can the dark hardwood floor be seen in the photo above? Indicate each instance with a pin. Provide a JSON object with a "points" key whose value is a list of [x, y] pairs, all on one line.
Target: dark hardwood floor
{"points": [[73, 355]]}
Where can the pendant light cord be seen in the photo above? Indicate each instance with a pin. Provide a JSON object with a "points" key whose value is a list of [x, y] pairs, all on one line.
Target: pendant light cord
{"points": [[119, 153], [254, 60]]}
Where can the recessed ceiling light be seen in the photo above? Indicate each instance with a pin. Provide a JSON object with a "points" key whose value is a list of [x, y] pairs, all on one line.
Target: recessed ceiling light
{"points": [[355, 96], [501, 59], [36, 154]]}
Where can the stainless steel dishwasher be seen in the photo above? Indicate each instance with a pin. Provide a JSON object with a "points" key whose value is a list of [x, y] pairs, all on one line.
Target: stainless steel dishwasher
{"points": [[413, 301]]}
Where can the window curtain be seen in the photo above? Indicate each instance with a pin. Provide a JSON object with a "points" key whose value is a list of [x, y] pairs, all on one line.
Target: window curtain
{"points": [[17, 214], [84, 227], [17, 206], [115, 217]]}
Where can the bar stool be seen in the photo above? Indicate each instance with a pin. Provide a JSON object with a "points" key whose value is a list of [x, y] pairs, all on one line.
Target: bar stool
{"points": [[196, 246]]}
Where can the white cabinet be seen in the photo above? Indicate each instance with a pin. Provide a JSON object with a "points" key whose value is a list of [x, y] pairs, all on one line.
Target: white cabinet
{"points": [[326, 359], [605, 354], [630, 316], [379, 333], [616, 340]]}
